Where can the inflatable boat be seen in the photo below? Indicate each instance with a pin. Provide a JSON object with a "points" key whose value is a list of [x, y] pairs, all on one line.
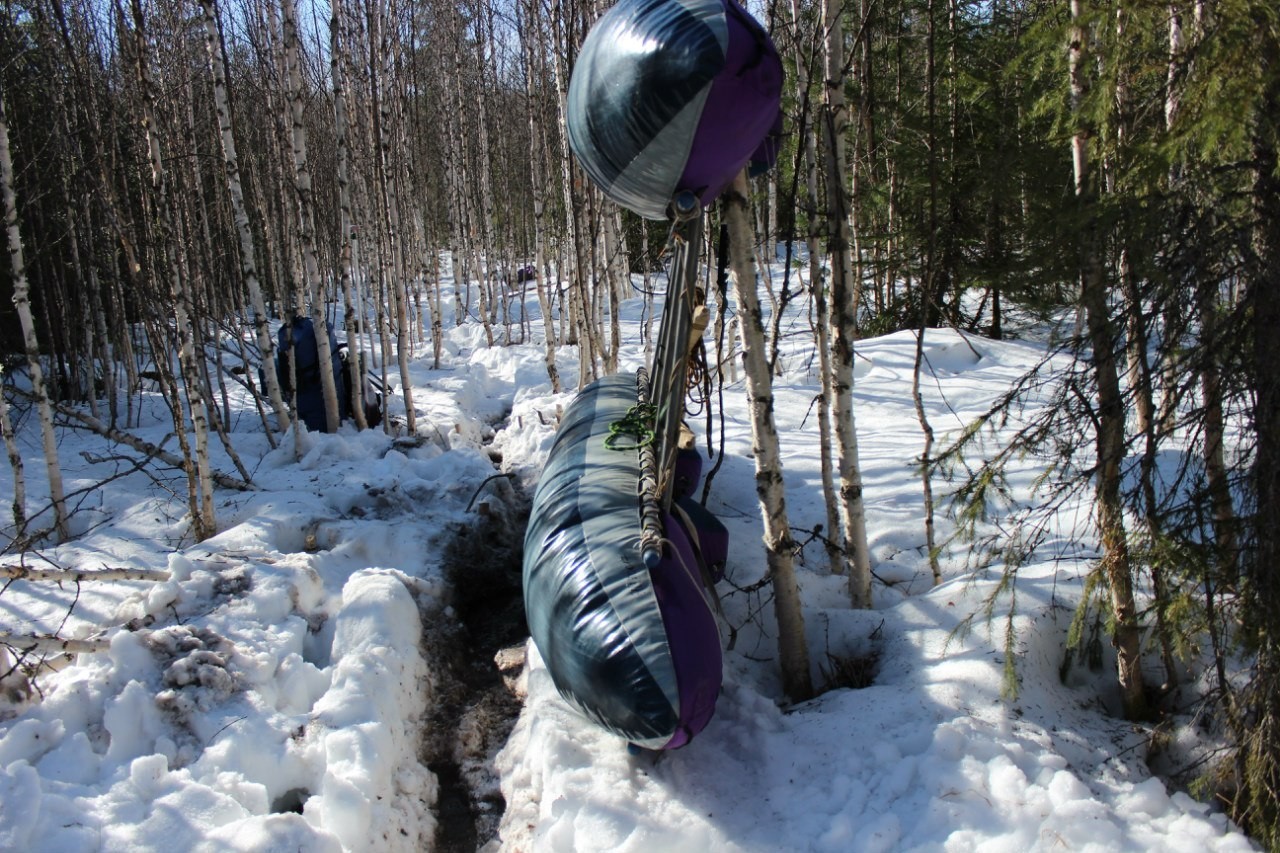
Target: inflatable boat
{"points": [[669, 100], [635, 648]]}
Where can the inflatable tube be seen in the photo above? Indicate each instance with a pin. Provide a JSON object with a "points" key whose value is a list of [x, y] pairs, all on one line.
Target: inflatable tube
{"points": [[634, 650], [669, 96]]}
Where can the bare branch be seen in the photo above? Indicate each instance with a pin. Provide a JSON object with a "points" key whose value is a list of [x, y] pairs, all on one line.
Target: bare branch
{"points": [[226, 481]]}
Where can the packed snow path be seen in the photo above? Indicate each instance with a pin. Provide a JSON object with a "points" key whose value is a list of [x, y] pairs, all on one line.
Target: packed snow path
{"points": [[273, 692]]}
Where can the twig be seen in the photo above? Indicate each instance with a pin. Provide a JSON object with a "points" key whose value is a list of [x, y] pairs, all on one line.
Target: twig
{"points": [[482, 485], [223, 729], [753, 587]]}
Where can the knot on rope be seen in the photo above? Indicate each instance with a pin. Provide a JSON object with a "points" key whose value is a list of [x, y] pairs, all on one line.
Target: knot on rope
{"points": [[635, 428]]}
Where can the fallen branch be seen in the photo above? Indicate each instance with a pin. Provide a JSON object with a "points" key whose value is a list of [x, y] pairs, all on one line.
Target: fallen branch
{"points": [[46, 643], [27, 573], [224, 480]]}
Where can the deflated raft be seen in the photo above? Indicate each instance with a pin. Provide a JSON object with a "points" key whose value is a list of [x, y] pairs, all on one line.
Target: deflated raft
{"points": [[635, 650]]}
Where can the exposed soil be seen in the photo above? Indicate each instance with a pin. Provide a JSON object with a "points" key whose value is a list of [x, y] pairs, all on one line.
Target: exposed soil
{"points": [[475, 708]]}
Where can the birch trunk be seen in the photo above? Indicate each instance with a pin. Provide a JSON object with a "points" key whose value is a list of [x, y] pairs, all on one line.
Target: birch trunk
{"points": [[574, 272], [22, 301], [146, 448], [614, 282], [793, 652], [926, 480], [821, 320], [315, 287], [385, 111], [25, 643], [843, 312], [537, 134], [10, 439], [493, 277], [60, 575], [346, 226]]}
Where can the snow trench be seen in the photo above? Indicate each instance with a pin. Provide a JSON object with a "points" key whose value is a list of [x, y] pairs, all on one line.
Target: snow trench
{"points": [[305, 680]]}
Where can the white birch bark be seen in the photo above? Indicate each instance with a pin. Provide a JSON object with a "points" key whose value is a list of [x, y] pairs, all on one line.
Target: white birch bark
{"points": [[574, 271], [224, 480], [834, 539], [346, 226], [533, 51], [22, 302], [56, 645], [926, 455], [843, 312], [306, 214], [793, 651], [27, 573], [385, 112], [11, 447], [493, 276], [410, 284], [618, 279]]}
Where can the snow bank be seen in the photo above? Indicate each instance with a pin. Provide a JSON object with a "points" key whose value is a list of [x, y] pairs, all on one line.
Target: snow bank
{"points": [[928, 758], [184, 735], [270, 695], [373, 791]]}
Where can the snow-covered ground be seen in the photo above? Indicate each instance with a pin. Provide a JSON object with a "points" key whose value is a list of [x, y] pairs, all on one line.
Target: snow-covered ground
{"points": [[273, 693]]}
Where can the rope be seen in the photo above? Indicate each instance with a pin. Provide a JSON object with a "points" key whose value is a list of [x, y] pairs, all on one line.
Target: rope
{"points": [[637, 425], [650, 514], [698, 384]]}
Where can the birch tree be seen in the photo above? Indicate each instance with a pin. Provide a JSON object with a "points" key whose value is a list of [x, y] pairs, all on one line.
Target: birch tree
{"points": [[779, 545], [531, 26], [11, 439], [346, 225], [22, 302], [315, 287], [806, 56], [835, 120], [384, 46]]}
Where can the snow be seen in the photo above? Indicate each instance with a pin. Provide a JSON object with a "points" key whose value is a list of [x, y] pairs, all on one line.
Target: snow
{"points": [[274, 693]]}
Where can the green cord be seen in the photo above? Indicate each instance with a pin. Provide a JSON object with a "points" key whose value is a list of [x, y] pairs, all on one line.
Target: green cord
{"points": [[636, 424]]}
